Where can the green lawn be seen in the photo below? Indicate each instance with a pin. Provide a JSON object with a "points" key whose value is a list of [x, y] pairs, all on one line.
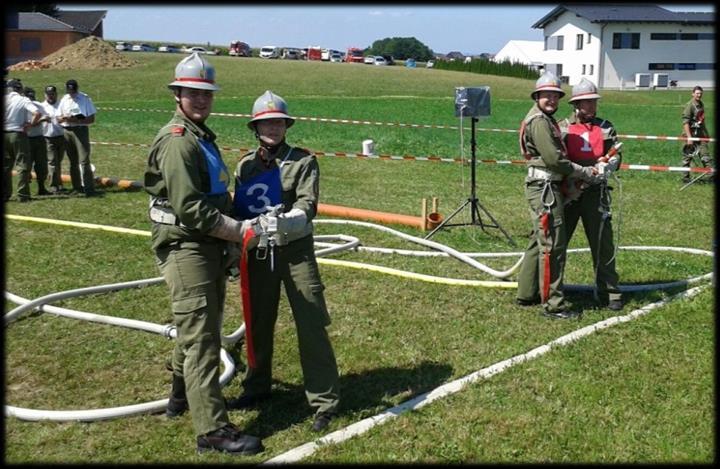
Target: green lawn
{"points": [[639, 392]]}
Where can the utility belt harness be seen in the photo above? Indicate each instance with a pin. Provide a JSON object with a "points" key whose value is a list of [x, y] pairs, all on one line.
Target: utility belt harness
{"points": [[537, 172]]}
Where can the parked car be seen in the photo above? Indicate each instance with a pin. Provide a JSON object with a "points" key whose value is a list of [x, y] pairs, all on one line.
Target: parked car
{"points": [[142, 48], [270, 52], [239, 49], [379, 60], [123, 46], [291, 54], [199, 50], [336, 56], [430, 64], [389, 59], [369, 59], [169, 48], [410, 63]]}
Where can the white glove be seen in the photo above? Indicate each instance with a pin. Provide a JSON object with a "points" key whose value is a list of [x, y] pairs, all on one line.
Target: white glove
{"points": [[293, 221]]}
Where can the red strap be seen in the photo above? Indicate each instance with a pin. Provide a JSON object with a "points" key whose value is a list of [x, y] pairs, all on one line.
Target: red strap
{"points": [[545, 224], [245, 294]]}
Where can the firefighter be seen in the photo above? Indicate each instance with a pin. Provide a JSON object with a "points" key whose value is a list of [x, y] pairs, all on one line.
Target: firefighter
{"points": [[190, 209], [693, 118], [277, 173], [16, 146], [540, 278], [587, 139]]}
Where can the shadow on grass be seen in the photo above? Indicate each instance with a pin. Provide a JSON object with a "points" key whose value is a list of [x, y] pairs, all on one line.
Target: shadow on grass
{"points": [[364, 394]]}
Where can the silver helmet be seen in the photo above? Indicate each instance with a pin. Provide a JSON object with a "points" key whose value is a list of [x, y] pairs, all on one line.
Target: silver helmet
{"points": [[584, 90], [195, 72], [548, 81], [270, 106]]}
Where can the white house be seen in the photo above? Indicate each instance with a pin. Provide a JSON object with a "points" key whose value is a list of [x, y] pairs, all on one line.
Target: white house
{"points": [[611, 44], [525, 52]]}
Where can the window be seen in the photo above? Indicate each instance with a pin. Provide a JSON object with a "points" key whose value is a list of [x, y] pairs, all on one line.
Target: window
{"points": [[708, 36], [558, 70], [592, 68], [661, 66], [689, 36], [554, 43], [626, 40], [583, 69], [663, 36], [579, 42], [30, 44], [589, 38], [707, 66]]}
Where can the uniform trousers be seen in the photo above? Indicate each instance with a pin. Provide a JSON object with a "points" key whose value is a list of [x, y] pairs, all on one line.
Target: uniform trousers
{"points": [[533, 276], [195, 273], [38, 154], [16, 153], [296, 267], [77, 146], [598, 230], [55, 152]]}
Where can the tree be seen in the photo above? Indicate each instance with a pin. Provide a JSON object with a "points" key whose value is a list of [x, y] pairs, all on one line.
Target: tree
{"points": [[401, 48]]}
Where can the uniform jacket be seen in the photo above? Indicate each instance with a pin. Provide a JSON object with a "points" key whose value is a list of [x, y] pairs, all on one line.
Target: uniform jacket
{"points": [[299, 176], [541, 141], [178, 176], [694, 115], [18, 110], [80, 104]]}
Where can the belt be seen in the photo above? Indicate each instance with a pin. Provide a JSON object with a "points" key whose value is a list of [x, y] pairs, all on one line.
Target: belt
{"points": [[537, 172], [13, 131]]}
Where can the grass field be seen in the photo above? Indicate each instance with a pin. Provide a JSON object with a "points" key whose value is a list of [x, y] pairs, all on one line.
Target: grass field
{"points": [[639, 392]]}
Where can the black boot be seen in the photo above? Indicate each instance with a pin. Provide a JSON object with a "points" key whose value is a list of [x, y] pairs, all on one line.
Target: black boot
{"points": [[177, 404]]}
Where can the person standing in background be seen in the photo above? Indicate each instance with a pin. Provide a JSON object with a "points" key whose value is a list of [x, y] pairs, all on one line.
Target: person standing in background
{"points": [[77, 113], [54, 139], [38, 149], [16, 147]]}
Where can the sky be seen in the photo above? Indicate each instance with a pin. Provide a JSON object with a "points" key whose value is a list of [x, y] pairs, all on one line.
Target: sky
{"points": [[470, 29]]}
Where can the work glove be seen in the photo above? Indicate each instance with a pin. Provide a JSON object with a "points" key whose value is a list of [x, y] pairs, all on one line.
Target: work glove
{"points": [[588, 174], [256, 226]]}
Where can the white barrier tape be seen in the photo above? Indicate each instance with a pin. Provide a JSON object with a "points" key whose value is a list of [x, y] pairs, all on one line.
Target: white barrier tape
{"points": [[399, 124], [434, 158], [362, 426]]}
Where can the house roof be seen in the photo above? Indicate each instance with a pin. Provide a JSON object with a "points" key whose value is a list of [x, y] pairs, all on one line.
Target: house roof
{"points": [[625, 13], [528, 52], [82, 21]]}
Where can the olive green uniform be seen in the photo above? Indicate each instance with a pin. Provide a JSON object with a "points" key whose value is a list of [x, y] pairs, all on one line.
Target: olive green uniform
{"points": [[593, 206], [538, 275], [293, 264], [694, 115], [192, 262]]}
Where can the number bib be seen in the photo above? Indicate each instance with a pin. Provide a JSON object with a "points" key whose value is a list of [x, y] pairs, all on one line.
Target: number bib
{"points": [[585, 143], [256, 196]]}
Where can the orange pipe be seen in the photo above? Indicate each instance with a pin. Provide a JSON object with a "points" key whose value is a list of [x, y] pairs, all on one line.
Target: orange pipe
{"points": [[323, 209], [363, 214]]}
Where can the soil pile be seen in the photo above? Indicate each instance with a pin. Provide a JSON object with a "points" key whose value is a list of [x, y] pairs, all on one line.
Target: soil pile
{"points": [[90, 53]]}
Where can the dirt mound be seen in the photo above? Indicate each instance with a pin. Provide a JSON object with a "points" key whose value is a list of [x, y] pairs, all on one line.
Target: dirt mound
{"points": [[90, 53]]}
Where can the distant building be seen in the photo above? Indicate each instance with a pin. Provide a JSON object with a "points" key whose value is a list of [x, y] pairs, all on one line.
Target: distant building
{"points": [[529, 53], [619, 45], [33, 36], [454, 55]]}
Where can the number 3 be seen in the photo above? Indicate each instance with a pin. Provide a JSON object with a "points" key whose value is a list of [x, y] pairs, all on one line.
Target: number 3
{"points": [[261, 189]]}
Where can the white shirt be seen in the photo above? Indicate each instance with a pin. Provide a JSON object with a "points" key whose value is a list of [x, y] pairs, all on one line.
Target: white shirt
{"points": [[80, 104], [18, 110], [52, 128], [37, 129]]}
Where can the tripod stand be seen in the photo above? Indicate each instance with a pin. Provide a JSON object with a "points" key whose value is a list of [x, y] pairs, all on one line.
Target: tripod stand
{"points": [[472, 201]]}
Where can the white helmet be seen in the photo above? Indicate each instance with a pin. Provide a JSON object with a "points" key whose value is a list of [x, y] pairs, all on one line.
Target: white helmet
{"points": [[194, 72], [584, 90], [270, 106], [548, 81]]}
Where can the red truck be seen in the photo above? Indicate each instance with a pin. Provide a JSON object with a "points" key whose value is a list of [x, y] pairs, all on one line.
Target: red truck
{"points": [[239, 49], [314, 53], [354, 54]]}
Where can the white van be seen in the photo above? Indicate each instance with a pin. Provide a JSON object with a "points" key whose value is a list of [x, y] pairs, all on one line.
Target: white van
{"points": [[270, 52]]}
